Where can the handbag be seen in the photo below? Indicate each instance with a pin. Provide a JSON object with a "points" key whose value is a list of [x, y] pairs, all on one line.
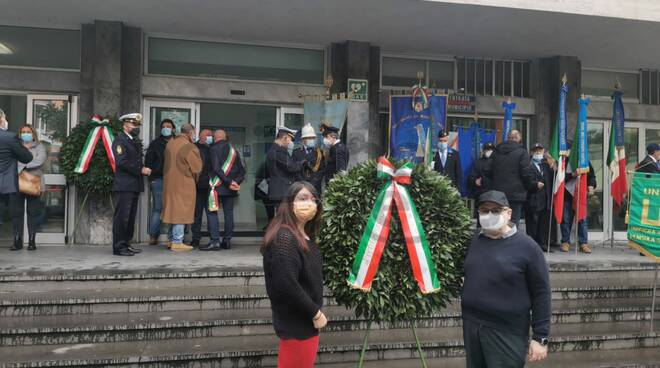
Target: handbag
{"points": [[29, 184]]}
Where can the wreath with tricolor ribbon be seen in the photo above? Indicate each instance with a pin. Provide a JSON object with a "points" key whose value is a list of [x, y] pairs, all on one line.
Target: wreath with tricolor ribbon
{"points": [[393, 240]]}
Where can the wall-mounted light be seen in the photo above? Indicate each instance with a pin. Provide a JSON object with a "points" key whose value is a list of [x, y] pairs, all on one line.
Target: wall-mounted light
{"points": [[5, 50]]}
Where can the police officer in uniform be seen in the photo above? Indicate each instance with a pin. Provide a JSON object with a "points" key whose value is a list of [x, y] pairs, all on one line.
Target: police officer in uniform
{"points": [[311, 153], [283, 169], [447, 161], [337, 155], [127, 184]]}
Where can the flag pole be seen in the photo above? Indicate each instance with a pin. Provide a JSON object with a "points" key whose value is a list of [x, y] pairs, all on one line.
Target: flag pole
{"points": [[576, 214], [655, 287], [552, 204], [617, 86]]}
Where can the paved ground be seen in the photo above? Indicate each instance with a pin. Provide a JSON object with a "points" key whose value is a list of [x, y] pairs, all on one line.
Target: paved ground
{"points": [[244, 255]]}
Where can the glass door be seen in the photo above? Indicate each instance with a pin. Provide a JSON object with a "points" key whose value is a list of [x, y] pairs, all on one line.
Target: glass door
{"points": [[51, 117], [595, 208], [291, 117], [181, 112]]}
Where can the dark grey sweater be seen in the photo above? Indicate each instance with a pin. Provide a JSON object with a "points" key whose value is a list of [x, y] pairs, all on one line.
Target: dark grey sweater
{"points": [[505, 279], [294, 282]]}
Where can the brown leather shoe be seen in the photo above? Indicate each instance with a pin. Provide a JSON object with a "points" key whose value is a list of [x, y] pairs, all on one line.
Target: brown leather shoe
{"points": [[584, 248], [153, 240], [564, 247]]}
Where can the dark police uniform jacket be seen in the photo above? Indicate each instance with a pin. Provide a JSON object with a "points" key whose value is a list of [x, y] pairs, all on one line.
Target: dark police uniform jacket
{"points": [[282, 169], [219, 153], [337, 160], [128, 159], [540, 199], [316, 170], [452, 167], [647, 165], [482, 168]]}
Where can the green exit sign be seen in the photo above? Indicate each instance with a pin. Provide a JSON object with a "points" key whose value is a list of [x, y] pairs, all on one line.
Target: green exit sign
{"points": [[357, 89]]}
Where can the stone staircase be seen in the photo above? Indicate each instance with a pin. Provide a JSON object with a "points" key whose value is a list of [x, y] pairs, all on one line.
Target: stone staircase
{"points": [[222, 319]]}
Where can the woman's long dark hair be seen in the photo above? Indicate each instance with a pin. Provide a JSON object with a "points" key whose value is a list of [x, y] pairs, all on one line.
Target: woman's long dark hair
{"points": [[286, 219]]}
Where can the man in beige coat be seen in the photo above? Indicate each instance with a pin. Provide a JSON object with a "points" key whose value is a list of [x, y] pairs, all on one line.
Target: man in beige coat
{"points": [[183, 165]]}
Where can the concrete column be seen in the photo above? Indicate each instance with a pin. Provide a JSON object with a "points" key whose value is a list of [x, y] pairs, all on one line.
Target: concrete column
{"points": [[110, 84], [353, 59], [546, 81]]}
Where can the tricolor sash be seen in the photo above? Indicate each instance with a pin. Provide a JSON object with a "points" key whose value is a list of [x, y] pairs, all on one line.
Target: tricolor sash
{"points": [[101, 129], [214, 182], [377, 231]]}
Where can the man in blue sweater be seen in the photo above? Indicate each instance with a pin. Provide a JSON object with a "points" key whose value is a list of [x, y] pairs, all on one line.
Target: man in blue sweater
{"points": [[506, 277]]}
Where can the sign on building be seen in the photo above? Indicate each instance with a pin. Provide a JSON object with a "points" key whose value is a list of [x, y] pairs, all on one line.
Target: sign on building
{"points": [[461, 104], [358, 89]]}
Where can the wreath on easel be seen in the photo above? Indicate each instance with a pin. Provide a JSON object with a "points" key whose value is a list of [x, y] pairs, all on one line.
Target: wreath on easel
{"points": [[422, 241]]}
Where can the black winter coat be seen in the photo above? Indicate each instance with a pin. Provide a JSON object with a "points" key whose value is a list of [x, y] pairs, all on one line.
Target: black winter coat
{"points": [[482, 168], [337, 160], [219, 153], [283, 170], [311, 173], [647, 165], [540, 199], [511, 171], [155, 157], [205, 155], [128, 159], [11, 151]]}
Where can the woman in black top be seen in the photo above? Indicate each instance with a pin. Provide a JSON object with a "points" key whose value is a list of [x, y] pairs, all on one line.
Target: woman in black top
{"points": [[294, 278]]}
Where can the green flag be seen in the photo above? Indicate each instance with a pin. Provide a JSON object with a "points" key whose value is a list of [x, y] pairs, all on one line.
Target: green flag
{"points": [[644, 222]]}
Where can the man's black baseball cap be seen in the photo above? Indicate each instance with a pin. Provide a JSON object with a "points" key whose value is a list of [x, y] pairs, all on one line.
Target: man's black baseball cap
{"points": [[495, 197]]}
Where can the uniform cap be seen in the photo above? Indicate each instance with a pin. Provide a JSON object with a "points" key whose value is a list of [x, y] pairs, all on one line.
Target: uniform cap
{"points": [[288, 131], [135, 118]]}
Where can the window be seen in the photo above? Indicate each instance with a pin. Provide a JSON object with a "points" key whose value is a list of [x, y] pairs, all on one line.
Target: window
{"points": [[493, 77], [649, 85], [402, 72], [235, 61], [39, 47], [601, 83]]}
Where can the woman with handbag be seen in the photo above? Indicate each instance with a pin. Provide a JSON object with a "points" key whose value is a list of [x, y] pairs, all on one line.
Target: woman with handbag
{"points": [[30, 187]]}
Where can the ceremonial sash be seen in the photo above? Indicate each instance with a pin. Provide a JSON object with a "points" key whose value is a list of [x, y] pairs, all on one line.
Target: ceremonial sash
{"points": [[215, 181], [102, 130], [377, 231]]}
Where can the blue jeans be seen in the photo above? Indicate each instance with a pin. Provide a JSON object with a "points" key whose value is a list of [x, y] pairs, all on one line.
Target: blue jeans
{"points": [[567, 223], [157, 197], [201, 206], [178, 230]]}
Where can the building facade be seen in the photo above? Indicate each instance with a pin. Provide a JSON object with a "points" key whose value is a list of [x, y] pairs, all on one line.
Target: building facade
{"points": [[245, 65]]}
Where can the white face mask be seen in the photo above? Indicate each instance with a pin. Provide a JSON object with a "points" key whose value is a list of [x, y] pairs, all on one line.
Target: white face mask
{"points": [[4, 124], [488, 153], [326, 142], [491, 221]]}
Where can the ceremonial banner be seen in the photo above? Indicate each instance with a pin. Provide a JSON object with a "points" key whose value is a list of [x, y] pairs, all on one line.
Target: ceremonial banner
{"points": [[579, 161], [330, 112], [469, 142], [644, 222], [559, 151], [414, 125], [616, 155], [507, 124]]}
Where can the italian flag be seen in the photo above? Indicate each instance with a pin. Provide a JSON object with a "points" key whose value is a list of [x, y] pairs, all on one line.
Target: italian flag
{"points": [[559, 184], [616, 160]]}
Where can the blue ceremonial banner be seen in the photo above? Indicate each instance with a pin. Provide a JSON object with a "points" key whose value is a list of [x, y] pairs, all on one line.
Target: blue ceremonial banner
{"points": [[412, 130], [508, 119], [469, 143], [579, 159], [618, 119], [562, 120]]}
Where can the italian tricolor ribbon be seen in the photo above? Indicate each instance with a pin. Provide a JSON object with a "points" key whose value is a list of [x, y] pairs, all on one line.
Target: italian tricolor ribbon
{"points": [[101, 130], [215, 181], [377, 231]]}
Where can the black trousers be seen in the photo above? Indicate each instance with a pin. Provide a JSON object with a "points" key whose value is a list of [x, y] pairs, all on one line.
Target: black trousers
{"points": [[537, 225], [486, 347], [516, 211], [123, 222], [17, 207]]}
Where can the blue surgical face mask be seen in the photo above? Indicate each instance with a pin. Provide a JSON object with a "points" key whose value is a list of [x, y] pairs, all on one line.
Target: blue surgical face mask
{"points": [[26, 137], [166, 132], [442, 146], [310, 143], [209, 140], [537, 158]]}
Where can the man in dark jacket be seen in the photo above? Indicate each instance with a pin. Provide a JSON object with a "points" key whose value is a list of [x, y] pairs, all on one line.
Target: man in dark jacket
{"points": [[311, 153], [201, 199], [337, 154], [447, 161], [127, 184], [155, 160], [11, 151], [282, 169], [511, 173], [568, 215], [651, 163], [480, 179], [539, 197], [227, 173]]}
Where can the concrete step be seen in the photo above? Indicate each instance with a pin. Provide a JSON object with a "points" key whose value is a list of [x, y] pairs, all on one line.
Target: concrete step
{"points": [[130, 326], [336, 347], [638, 358], [27, 303]]}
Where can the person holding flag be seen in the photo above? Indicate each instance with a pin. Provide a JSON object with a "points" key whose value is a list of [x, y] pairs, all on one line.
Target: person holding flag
{"points": [[580, 180]]}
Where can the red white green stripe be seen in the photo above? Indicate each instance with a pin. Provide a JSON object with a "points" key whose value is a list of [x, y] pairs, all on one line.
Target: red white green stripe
{"points": [[101, 130], [215, 181], [374, 237]]}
